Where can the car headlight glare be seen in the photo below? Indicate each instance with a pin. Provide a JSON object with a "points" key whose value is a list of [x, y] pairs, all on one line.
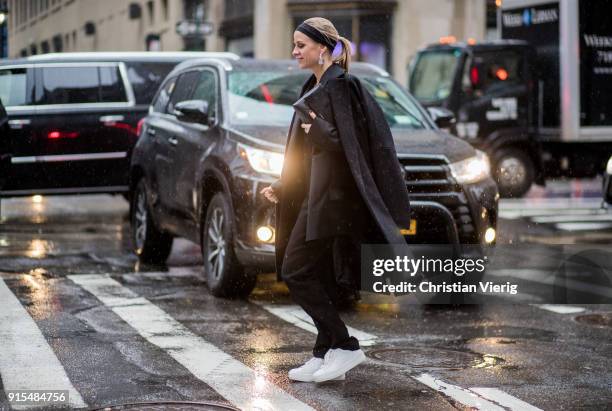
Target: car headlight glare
{"points": [[263, 161], [471, 170], [609, 166]]}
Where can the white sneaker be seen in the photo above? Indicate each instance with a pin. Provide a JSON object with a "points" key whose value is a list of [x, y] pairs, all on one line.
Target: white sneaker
{"points": [[337, 362], [306, 371]]}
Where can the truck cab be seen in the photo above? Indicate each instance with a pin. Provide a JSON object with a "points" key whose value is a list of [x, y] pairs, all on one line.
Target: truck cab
{"points": [[491, 89]]}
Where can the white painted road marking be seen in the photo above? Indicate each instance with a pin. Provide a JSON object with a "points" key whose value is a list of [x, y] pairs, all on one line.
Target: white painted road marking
{"points": [[504, 399], [229, 377], [465, 397], [27, 362], [561, 309], [298, 317]]}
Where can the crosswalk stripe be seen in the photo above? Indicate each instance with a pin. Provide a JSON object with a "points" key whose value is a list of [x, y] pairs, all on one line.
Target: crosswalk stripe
{"points": [[565, 218], [27, 362], [458, 394], [232, 379], [504, 399], [298, 317], [561, 309]]}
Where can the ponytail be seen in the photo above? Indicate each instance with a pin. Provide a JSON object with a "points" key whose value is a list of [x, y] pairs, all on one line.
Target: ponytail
{"points": [[344, 59]]}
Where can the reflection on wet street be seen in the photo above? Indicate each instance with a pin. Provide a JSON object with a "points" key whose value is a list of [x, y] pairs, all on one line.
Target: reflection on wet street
{"points": [[111, 331]]}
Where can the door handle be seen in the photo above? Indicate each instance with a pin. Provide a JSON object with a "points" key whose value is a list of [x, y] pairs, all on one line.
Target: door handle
{"points": [[19, 123], [111, 119], [151, 131], [173, 141]]}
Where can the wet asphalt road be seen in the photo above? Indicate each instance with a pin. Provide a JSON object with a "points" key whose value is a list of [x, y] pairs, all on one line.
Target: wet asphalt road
{"points": [[73, 298]]}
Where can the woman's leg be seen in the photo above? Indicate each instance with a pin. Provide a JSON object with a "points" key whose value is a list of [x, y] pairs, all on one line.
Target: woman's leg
{"points": [[303, 265]]}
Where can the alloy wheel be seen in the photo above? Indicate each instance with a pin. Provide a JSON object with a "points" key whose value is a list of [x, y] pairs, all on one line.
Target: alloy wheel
{"points": [[216, 243], [140, 220]]}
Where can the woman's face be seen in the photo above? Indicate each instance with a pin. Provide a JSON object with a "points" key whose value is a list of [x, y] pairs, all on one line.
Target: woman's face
{"points": [[305, 50]]}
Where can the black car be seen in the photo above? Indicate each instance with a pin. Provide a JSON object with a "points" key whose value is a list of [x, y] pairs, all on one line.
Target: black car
{"points": [[73, 118], [215, 137]]}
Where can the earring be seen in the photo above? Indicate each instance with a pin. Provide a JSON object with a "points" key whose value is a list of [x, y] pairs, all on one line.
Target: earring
{"points": [[321, 59]]}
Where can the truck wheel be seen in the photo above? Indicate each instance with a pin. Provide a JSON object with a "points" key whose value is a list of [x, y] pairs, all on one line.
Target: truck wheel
{"points": [[151, 245], [224, 274], [513, 171]]}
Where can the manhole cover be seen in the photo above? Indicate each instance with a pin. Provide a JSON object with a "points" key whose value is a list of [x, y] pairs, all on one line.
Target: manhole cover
{"points": [[601, 320], [435, 358], [169, 406]]}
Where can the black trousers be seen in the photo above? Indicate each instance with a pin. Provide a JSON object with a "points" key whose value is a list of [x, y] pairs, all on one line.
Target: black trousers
{"points": [[308, 273]]}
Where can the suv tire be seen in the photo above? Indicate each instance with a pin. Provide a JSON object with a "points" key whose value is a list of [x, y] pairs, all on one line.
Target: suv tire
{"points": [[225, 276], [151, 245]]}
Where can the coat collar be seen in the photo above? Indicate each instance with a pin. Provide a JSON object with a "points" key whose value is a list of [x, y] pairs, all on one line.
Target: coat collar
{"points": [[332, 72]]}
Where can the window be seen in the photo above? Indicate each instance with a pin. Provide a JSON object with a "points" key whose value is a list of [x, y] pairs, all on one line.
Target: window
{"points": [[497, 69], [146, 78], [164, 5], [433, 74], [266, 98], [207, 90], [183, 90], [111, 86], [13, 87], [77, 85], [164, 96], [151, 10]]}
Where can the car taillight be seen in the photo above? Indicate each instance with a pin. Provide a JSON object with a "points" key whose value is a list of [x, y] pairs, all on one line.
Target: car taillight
{"points": [[139, 126], [56, 134], [474, 77]]}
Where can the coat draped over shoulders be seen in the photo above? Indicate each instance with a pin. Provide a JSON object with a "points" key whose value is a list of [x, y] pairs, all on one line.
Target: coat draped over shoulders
{"points": [[370, 159]]}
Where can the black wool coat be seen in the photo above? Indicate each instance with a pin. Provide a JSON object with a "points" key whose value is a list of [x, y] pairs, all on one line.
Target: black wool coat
{"points": [[355, 188]]}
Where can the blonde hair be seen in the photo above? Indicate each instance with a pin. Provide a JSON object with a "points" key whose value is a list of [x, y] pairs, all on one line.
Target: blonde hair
{"points": [[327, 28]]}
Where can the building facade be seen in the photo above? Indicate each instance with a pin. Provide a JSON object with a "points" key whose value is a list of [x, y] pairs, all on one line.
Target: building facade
{"points": [[383, 32]]}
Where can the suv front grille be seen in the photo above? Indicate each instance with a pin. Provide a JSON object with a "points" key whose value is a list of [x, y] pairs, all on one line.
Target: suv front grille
{"points": [[427, 175], [429, 179]]}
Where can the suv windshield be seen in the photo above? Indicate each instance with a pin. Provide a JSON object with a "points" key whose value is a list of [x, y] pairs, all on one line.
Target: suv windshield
{"points": [[432, 74], [266, 98]]}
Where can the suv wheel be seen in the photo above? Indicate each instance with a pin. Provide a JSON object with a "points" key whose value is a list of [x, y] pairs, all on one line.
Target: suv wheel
{"points": [[224, 274], [151, 245], [514, 172]]}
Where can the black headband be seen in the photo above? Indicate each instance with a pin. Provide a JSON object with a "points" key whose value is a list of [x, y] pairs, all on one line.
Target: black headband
{"points": [[317, 36]]}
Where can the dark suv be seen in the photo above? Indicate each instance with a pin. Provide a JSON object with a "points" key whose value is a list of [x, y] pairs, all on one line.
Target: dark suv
{"points": [[215, 136], [73, 118]]}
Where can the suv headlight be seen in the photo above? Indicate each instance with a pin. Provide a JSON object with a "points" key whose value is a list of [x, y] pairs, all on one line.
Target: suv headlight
{"points": [[263, 161], [609, 167], [471, 170]]}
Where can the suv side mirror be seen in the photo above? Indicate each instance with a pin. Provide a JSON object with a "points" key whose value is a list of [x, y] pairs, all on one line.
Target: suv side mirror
{"points": [[443, 117], [192, 111]]}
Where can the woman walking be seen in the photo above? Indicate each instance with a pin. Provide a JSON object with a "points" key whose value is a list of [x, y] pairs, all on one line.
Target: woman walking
{"points": [[341, 186]]}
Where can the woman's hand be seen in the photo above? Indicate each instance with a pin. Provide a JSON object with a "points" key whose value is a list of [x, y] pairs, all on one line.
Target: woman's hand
{"points": [[306, 127], [269, 193]]}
